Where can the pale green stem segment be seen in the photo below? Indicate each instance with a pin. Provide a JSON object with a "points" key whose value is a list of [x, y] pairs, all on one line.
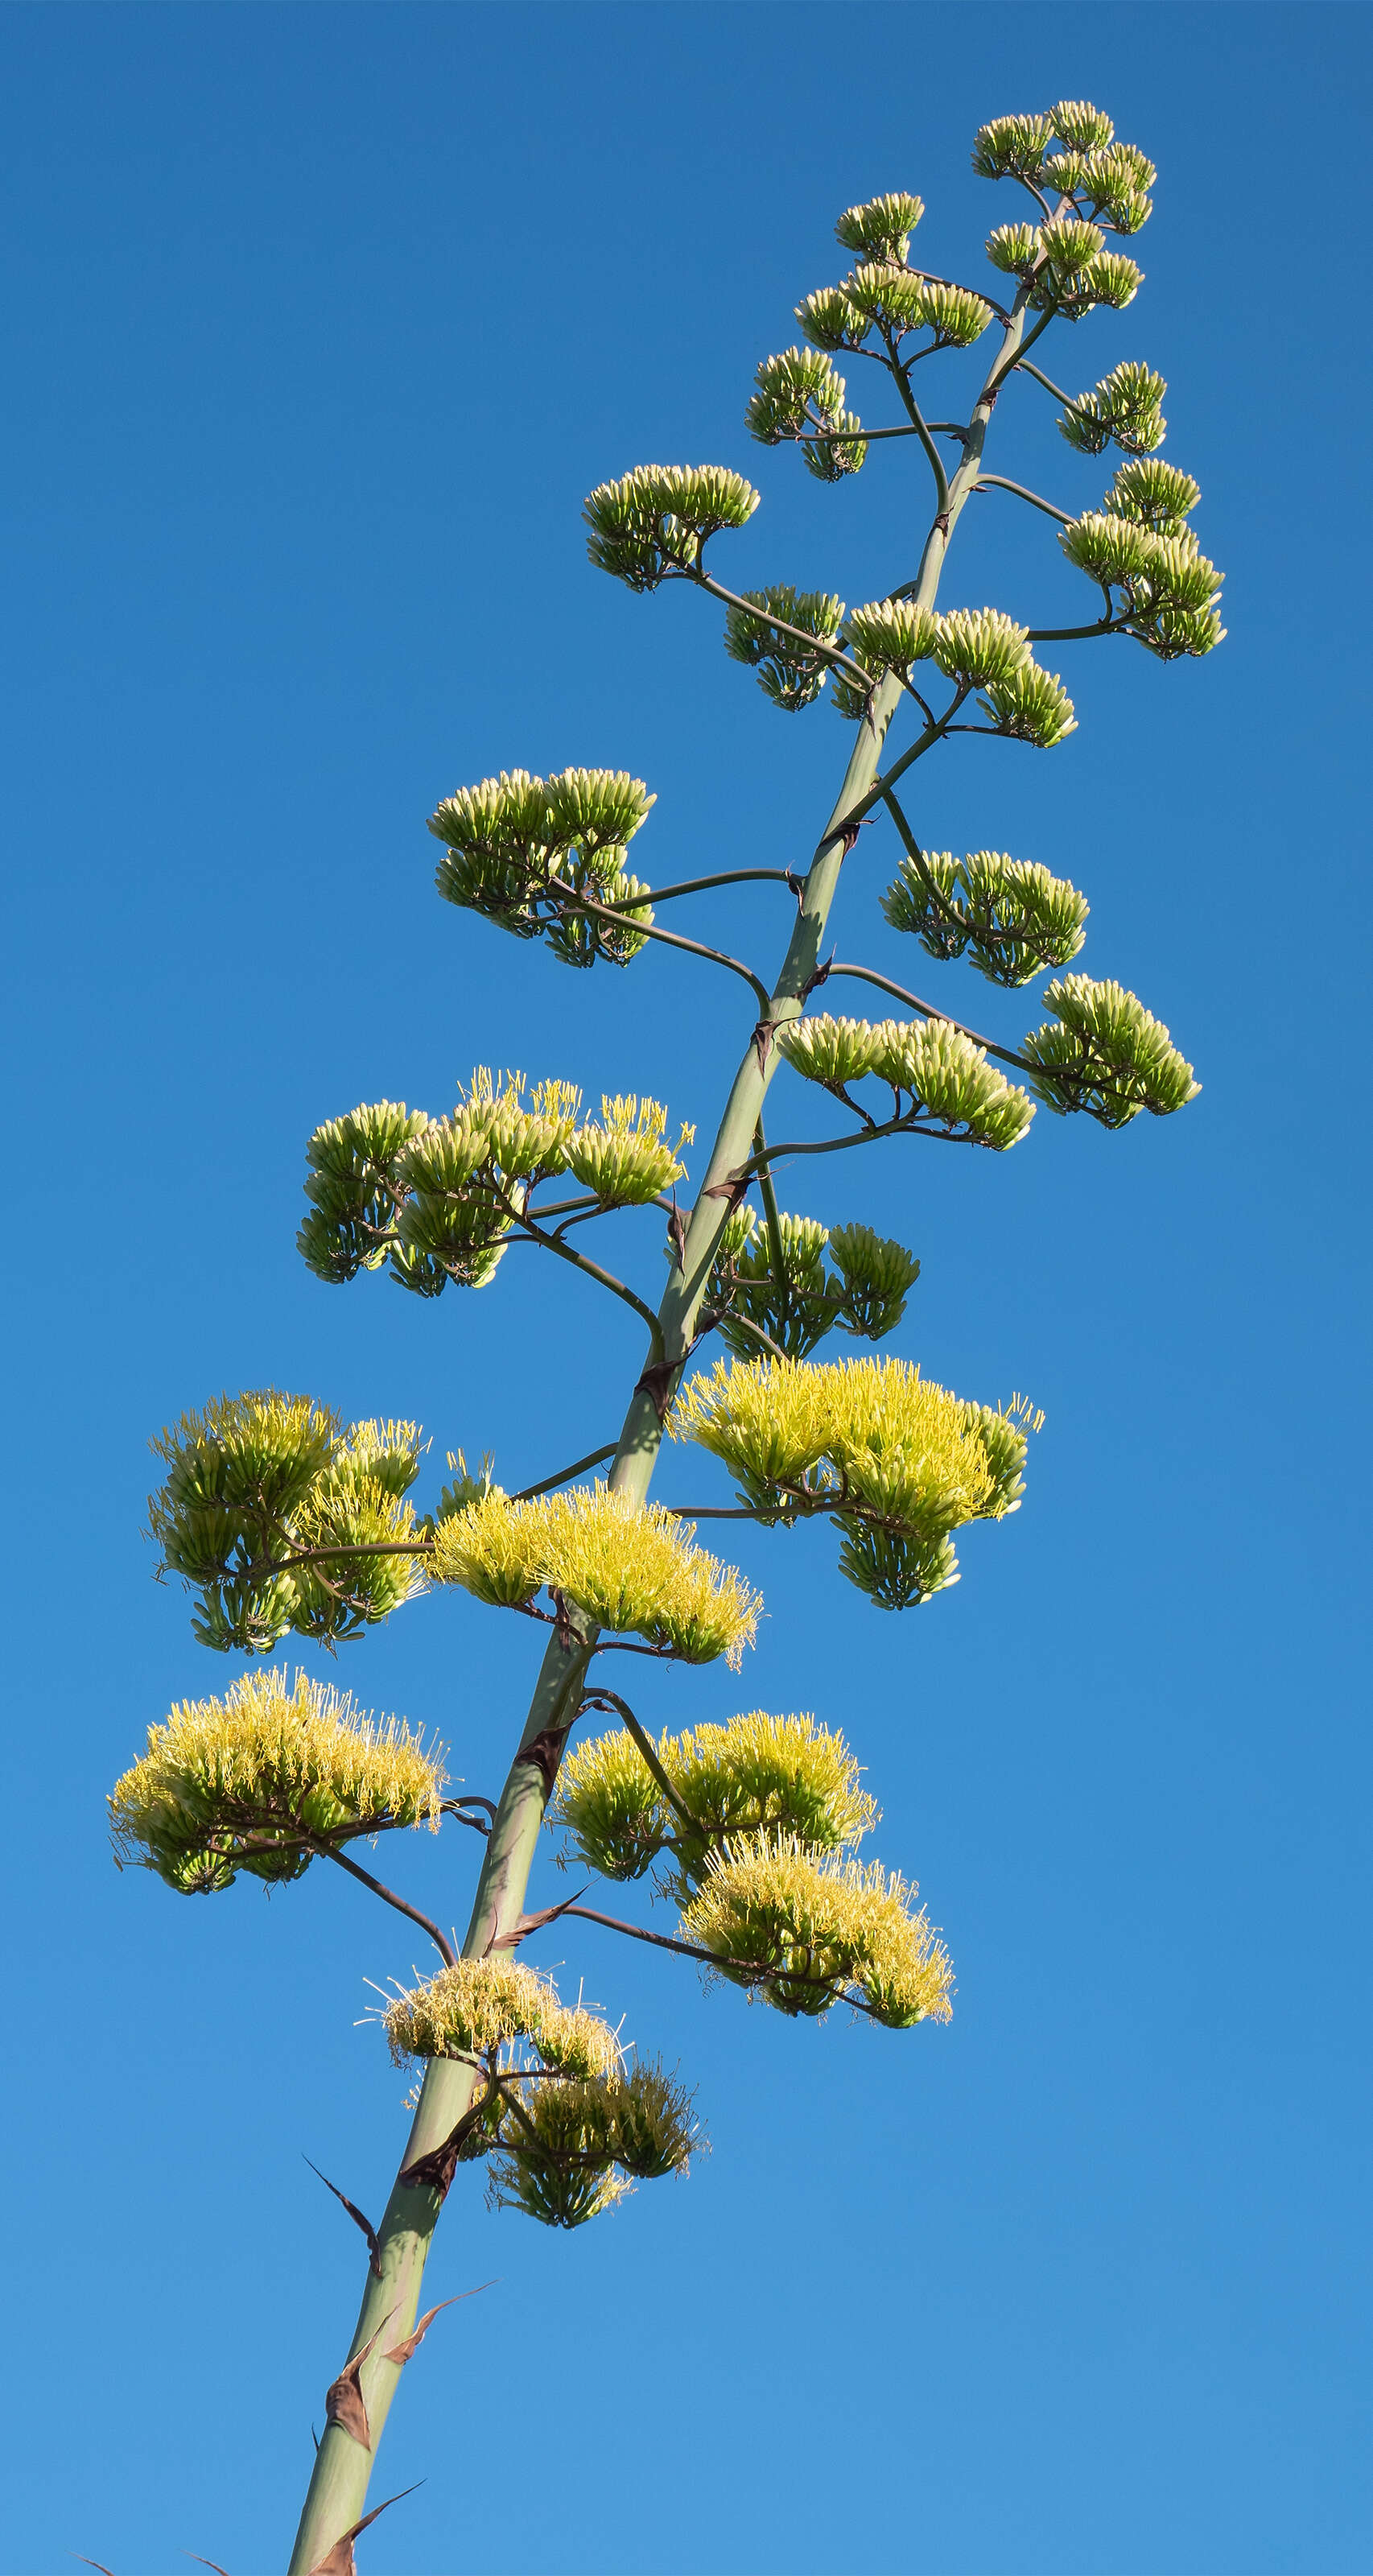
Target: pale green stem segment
{"points": [[338, 2488]]}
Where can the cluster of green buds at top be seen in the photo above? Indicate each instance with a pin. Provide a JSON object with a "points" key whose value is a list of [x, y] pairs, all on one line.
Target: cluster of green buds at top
{"points": [[896, 1461], [891, 304], [543, 857], [941, 1081], [1139, 547], [567, 2120], [439, 1199], [652, 524], [863, 1292], [281, 1518], [754, 1823], [1070, 151], [1009, 917], [1106, 1054], [265, 1780]]}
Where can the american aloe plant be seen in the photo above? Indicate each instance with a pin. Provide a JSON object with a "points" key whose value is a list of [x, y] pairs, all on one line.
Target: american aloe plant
{"points": [[284, 1519]]}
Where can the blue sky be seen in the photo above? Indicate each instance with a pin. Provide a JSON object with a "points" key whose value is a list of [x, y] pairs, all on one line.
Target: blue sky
{"points": [[321, 323]]}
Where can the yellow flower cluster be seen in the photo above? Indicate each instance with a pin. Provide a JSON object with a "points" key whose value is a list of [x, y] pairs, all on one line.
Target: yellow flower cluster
{"points": [[254, 1780], [480, 2006], [890, 1440], [757, 1772], [821, 1932], [899, 1461], [626, 1158], [627, 1568]]}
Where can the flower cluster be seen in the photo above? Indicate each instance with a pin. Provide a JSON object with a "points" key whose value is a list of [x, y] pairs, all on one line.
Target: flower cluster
{"points": [[1010, 917], [1066, 265], [789, 672], [265, 1779], [754, 1838], [281, 1518], [1106, 1054], [521, 850], [893, 301], [940, 1078], [1070, 151], [799, 396], [807, 1933], [440, 1198], [1126, 406], [975, 647], [653, 523], [1158, 580], [863, 1292], [898, 1462], [629, 1568], [567, 2120], [758, 1773]]}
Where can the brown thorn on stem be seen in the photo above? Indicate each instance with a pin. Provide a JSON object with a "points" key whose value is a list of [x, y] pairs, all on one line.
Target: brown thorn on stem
{"points": [[344, 2404], [434, 2171], [369, 2231], [656, 1384], [339, 2561], [405, 2351], [533, 1922], [544, 1752]]}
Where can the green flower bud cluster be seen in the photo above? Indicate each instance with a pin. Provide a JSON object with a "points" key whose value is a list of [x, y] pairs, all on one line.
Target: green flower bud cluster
{"points": [[263, 1779], [864, 1293], [756, 1774], [577, 2148], [1010, 917], [895, 301], [257, 1480], [798, 390], [980, 647], [897, 1462], [881, 229], [653, 523], [1125, 406], [1166, 587], [1154, 494], [1106, 1054], [1031, 705], [509, 838], [787, 673], [1107, 181], [1070, 268], [937, 1074], [440, 1198]]}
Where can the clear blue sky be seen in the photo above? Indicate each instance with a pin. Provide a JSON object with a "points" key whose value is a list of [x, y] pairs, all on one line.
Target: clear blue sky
{"points": [[320, 323]]}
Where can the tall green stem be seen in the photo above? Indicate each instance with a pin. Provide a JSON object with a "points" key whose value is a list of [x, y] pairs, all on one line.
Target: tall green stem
{"points": [[338, 2487]]}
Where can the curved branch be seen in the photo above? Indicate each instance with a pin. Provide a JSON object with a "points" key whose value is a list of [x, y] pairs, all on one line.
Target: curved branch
{"points": [[670, 938], [648, 1752], [389, 1897], [700, 885], [813, 643], [998, 483], [550, 1484]]}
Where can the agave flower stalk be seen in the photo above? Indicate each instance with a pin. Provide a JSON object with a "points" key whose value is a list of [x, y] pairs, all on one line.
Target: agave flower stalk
{"points": [[285, 1519], [338, 2487]]}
